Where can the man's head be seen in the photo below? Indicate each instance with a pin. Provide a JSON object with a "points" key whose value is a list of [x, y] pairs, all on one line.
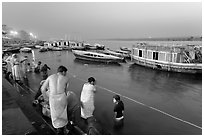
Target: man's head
{"points": [[116, 98], [91, 80], [62, 70]]}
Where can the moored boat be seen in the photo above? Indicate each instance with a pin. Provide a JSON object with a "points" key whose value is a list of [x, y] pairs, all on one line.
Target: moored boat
{"points": [[25, 49], [125, 49], [176, 58], [95, 56], [119, 53], [12, 50], [43, 49], [56, 49]]}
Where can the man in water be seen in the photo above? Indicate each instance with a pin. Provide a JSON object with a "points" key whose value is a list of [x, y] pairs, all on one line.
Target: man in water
{"points": [[119, 110], [58, 84], [87, 98]]}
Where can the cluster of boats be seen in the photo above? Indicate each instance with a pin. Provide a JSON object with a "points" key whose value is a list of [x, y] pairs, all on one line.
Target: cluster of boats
{"points": [[176, 58], [96, 52]]}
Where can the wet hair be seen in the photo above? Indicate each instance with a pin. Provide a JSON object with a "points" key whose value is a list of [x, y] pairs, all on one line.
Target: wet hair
{"points": [[91, 79], [62, 69], [116, 97]]}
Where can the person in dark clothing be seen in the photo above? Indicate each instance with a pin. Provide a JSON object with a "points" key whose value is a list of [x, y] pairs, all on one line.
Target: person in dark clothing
{"points": [[44, 70], [119, 110], [37, 68]]}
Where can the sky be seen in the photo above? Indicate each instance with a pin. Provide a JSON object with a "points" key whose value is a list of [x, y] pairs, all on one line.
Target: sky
{"points": [[104, 20]]}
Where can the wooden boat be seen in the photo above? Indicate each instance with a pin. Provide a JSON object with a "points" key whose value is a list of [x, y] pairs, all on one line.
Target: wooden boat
{"points": [[94, 47], [175, 58], [125, 54], [95, 56], [12, 50], [65, 47], [118, 53], [43, 49], [26, 49], [38, 46], [56, 49], [125, 49]]}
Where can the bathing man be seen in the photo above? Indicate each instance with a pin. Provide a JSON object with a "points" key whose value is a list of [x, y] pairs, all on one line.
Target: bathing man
{"points": [[58, 84], [87, 98], [119, 110]]}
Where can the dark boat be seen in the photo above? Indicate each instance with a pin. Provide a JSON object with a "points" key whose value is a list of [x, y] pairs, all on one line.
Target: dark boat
{"points": [[12, 50]]}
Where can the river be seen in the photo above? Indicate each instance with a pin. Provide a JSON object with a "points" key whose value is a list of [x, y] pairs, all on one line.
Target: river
{"points": [[156, 102]]}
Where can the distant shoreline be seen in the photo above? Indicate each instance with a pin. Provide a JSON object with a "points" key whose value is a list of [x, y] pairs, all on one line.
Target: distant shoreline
{"points": [[156, 39]]}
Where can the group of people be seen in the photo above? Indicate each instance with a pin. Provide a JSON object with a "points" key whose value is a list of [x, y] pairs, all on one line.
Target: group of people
{"points": [[18, 66], [55, 87]]}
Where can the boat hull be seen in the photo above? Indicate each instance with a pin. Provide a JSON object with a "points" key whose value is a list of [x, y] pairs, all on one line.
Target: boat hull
{"points": [[166, 66], [107, 60]]}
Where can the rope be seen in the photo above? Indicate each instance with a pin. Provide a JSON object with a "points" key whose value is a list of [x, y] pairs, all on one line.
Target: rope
{"points": [[138, 102]]}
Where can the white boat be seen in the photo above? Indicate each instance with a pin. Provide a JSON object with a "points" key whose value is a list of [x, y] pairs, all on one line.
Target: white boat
{"points": [[95, 56], [125, 54], [25, 49], [112, 52], [125, 49], [38, 46], [56, 49]]}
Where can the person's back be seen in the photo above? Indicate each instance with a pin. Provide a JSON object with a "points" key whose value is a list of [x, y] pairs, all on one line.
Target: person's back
{"points": [[57, 84], [87, 92]]}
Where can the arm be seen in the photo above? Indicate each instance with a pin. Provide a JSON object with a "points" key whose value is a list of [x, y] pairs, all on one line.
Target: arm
{"points": [[67, 85], [45, 86]]}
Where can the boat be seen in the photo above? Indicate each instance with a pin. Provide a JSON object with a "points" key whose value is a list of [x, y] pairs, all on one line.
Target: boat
{"points": [[126, 54], [125, 49], [25, 49], [38, 46], [56, 49], [95, 56], [12, 50], [43, 49], [94, 47], [173, 58], [118, 53], [65, 47]]}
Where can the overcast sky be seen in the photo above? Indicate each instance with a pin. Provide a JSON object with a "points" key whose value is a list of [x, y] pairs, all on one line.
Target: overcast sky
{"points": [[104, 20]]}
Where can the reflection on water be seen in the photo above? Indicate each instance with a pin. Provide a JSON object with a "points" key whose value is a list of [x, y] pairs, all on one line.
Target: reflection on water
{"points": [[168, 81]]}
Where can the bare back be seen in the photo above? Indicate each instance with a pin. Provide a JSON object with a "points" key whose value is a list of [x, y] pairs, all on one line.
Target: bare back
{"points": [[56, 83]]}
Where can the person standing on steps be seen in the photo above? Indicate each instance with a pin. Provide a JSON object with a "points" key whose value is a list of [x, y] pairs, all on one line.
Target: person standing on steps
{"points": [[58, 84]]}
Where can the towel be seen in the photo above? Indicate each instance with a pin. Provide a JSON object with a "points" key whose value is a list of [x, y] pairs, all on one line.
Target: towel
{"points": [[58, 109]]}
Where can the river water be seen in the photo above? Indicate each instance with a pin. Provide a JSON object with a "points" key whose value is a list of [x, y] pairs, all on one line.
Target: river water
{"points": [[156, 102]]}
